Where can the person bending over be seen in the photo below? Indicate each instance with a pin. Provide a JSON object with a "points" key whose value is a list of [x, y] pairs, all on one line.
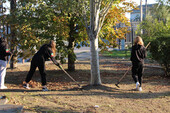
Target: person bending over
{"points": [[45, 52], [138, 54]]}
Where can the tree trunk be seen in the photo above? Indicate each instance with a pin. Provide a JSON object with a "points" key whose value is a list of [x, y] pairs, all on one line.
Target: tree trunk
{"points": [[71, 55], [95, 71], [167, 70], [93, 36], [13, 62]]}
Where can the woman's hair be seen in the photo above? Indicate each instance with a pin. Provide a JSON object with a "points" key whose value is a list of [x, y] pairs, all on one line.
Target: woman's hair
{"points": [[138, 40], [53, 46]]}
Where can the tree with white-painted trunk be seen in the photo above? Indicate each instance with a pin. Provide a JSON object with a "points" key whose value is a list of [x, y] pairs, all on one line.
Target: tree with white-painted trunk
{"points": [[97, 16]]}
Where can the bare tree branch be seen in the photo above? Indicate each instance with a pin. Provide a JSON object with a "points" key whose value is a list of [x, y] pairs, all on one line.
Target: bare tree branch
{"points": [[104, 9], [102, 17], [97, 15], [85, 20], [85, 15]]}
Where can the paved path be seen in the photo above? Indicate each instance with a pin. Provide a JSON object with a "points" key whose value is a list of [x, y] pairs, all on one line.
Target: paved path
{"points": [[83, 53]]}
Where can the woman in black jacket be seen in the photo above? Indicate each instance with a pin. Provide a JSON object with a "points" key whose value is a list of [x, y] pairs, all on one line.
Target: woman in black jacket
{"points": [[138, 54], [4, 52], [38, 60]]}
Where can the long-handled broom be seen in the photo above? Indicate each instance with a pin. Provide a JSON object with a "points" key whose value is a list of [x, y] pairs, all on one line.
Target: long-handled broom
{"points": [[9, 60], [70, 76]]}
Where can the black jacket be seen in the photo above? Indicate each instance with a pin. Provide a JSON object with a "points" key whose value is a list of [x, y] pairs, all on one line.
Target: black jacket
{"points": [[4, 51], [46, 52], [138, 53]]}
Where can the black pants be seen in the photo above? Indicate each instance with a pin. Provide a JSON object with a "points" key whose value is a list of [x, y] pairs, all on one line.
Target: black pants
{"points": [[37, 61], [137, 69]]}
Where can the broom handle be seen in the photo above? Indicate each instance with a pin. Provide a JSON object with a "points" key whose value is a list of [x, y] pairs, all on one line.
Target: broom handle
{"points": [[147, 45], [69, 75], [9, 60], [123, 75]]}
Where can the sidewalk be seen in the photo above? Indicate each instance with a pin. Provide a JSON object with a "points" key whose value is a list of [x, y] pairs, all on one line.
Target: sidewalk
{"points": [[83, 53]]}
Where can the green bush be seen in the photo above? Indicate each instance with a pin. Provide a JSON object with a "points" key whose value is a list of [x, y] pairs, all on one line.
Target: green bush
{"points": [[160, 51]]}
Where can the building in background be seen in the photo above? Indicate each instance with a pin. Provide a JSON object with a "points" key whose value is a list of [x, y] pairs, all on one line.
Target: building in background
{"points": [[134, 20], [135, 17]]}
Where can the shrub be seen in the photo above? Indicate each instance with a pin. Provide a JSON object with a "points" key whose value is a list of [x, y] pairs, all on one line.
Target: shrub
{"points": [[160, 51]]}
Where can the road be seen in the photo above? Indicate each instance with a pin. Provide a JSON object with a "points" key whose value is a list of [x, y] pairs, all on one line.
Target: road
{"points": [[82, 53]]}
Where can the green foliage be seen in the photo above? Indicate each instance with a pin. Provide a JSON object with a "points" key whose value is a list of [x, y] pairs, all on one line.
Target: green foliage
{"points": [[161, 10], [47, 19], [152, 28], [155, 26], [37, 22], [74, 29], [161, 53], [157, 21], [116, 16]]}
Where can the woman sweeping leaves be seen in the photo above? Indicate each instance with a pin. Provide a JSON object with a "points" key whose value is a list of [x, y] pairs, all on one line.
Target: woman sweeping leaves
{"points": [[38, 60], [138, 54]]}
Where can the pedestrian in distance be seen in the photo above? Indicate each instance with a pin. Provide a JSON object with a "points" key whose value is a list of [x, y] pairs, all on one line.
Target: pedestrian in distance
{"points": [[4, 52], [45, 52], [138, 54]]}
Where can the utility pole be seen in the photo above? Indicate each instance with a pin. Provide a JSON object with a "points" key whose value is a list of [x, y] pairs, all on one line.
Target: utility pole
{"points": [[141, 14], [146, 8], [141, 11]]}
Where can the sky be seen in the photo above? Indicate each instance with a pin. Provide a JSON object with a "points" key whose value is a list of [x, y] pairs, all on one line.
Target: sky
{"points": [[7, 6], [148, 1]]}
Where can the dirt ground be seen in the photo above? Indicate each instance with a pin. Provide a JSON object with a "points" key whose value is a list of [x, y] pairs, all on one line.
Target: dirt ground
{"points": [[66, 97]]}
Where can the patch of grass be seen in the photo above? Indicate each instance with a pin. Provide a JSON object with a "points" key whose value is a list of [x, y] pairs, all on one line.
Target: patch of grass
{"points": [[115, 53], [122, 53]]}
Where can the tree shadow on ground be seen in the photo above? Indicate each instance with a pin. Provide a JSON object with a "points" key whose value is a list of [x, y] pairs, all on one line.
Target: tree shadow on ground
{"points": [[117, 95], [102, 90], [20, 90], [108, 77], [108, 91], [83, 88], [90, 87], [48, 109]]}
